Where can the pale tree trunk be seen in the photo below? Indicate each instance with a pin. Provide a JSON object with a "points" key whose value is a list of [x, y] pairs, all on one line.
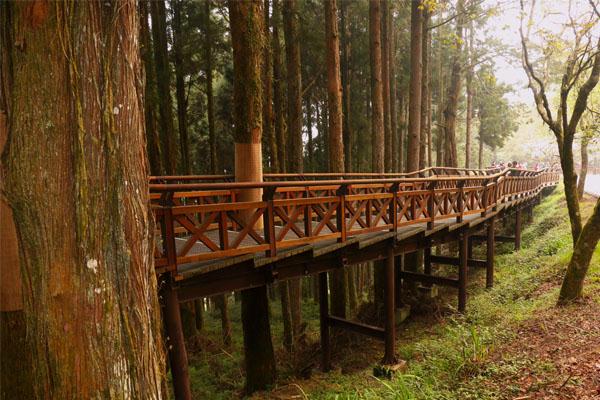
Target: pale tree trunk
{"points": [[294, 123], [416, 68], [247, 37], [480, 149], [377, 128], [572, 286], [450, 156], [584, 166], [163, 79], [89, 286], [470, 94], [336, 144]]}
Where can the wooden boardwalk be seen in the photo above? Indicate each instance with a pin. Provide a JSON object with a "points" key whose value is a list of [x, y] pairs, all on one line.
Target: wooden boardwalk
{"points": [[209, 242]]}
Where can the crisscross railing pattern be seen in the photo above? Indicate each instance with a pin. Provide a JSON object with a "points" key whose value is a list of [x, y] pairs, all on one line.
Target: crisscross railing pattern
{"points": [[203, 219]]}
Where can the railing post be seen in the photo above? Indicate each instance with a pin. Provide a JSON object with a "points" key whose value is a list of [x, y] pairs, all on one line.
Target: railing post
{"points": [[341, 212], [168, 232], [269, 221], [485, 197], [307, 215], [461, 200], [393, 208], [431, 205]]}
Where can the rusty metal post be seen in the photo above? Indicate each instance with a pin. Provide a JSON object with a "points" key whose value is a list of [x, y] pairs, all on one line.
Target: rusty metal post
{"points": [[518, 230], [398, 280], [324, 322], [390, 308], [489, 259], [175, 342], [462, 271]]}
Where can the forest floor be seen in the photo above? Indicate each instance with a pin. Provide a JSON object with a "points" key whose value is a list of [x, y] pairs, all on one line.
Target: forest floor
{"points": [[512, 343]]}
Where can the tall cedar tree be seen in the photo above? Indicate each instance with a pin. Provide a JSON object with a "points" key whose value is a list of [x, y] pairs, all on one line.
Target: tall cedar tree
{"points": [[377, 129], [345, 66], [425, 147], [385, 75], [247, 38], [450, 153], [180, 93], [163, 80], [336, 144], [210, 104], [150, 98], [268, 117], [414, 101], [470, 94], [90, 299], [294, 123], [392, 80]]}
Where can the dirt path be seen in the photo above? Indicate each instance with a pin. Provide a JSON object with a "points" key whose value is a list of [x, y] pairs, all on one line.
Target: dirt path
{"points": [[558, 353]]}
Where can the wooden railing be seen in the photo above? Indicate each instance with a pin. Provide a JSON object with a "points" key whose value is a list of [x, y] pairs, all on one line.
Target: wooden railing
{"points": [[205, 221]]}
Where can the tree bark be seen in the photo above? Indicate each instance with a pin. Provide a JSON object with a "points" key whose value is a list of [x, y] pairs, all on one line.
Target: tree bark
{"points": [[163, 80], [377, 129], [416, 68], [470, 94], [450, 154], [182, 104], [247, 37], [393, 94], [89, 291], [572, 286]]}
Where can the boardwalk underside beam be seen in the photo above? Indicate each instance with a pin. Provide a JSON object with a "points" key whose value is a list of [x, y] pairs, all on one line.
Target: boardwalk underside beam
{"points": [[429, 279], [364, 329], [471, 262]]}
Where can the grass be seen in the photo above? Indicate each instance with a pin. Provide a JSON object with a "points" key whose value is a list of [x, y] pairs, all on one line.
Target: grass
{"points": [[450, 356]]}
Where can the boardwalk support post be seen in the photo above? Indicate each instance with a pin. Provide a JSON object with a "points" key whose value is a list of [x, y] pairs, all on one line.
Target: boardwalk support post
{"points": [[324, 322], [518, 230], [462, 271], [175, 342], [390, 308], [489, 271]]}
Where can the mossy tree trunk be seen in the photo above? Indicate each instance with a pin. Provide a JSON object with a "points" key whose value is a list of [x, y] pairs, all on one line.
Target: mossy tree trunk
{"points": [[76, 180], [247, 37]]}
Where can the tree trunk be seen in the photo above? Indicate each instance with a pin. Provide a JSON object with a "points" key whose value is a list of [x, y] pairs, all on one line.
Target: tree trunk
{"points": [[268, 119], [278, 92], [247, 37], [425, 88], [336, 145], [450, 156], [572, 286], [150, 97], [377, 128], [416, 68], [90, 287], [221, 304], [346, 96], [584, 166], [294, 123], [470, 94], [480, 149], [182, 104], [286, 316], [163, 80], [385, 76], [210, 108], [294, 86]]}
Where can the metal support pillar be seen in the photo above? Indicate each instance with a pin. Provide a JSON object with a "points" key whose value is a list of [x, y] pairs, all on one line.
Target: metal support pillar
{"points": [[175, 342], [489, 269], [398, 281], [324, 322], [470, 248], [390, 308], [427, 263], [462, 271], [518, 230]]}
